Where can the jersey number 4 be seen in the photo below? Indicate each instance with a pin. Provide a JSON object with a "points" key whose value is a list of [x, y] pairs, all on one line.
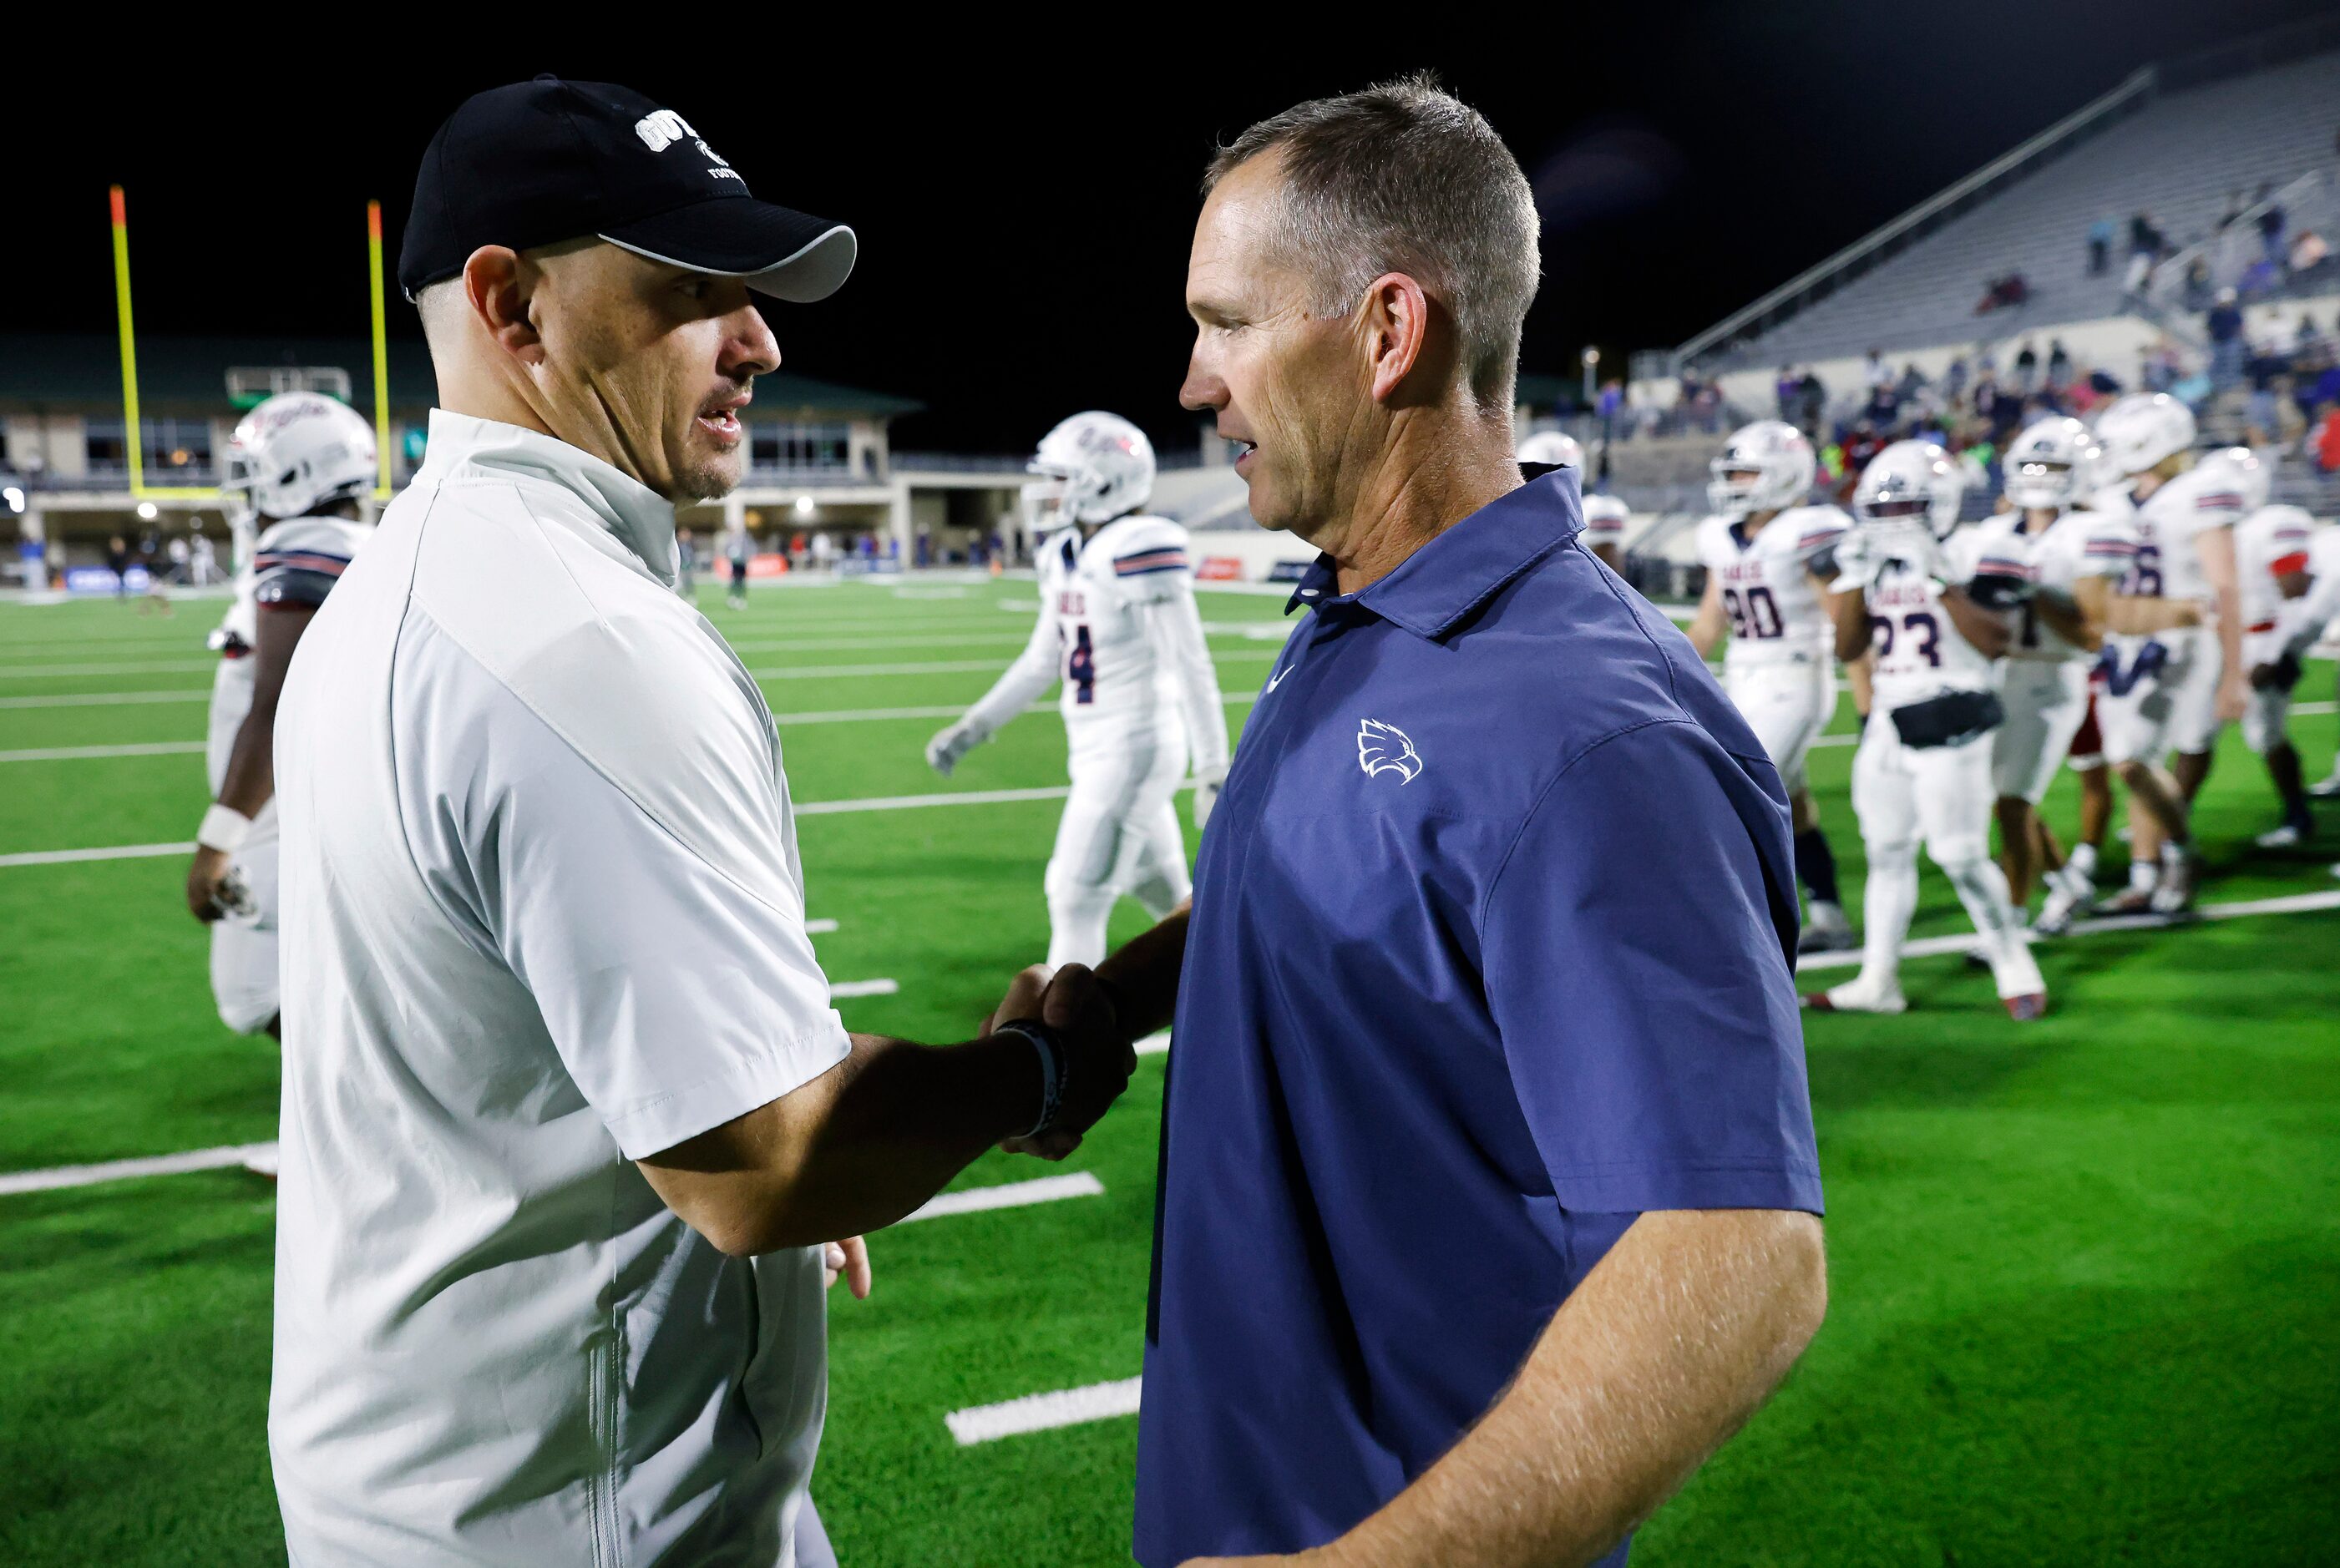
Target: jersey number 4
{"points": [[1756, 614], [1080, 664]]}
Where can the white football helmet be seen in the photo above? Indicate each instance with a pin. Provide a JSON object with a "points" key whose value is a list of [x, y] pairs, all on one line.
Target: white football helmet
{"points": [[2253, 475], [1556, 446], [1911, 481], [2141, 430], [1763, 467], [1093, 468], [2052, 464], [292, 454]]}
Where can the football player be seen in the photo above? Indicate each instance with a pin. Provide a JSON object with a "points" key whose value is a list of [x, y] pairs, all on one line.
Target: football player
{"points": [[2172, 659], [1605, 517], [2290, 571], [1118, 625], [1924, 768], [1767, 556], [2046, 568], [297, 472]]}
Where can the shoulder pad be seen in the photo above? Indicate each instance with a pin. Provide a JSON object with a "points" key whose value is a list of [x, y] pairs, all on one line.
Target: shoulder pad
{"points": [[1142, 546]]}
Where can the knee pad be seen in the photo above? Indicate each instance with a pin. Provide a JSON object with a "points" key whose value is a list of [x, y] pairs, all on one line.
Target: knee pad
{"points": [[1955, 854]]}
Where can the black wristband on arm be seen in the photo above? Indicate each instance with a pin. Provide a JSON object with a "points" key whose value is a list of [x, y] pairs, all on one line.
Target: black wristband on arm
{"points": [[1050, 1047]]}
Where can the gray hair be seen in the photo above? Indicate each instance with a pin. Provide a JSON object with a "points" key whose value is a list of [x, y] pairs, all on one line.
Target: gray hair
{"points": [[1404, 177]]}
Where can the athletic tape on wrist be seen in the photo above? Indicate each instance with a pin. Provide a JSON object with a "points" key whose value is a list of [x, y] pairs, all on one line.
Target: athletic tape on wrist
{"points": [[1051, 1052], [225, 829]]}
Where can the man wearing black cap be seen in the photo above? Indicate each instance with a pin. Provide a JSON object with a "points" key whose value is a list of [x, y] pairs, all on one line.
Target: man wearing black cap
{"points": [[570, 1126]]}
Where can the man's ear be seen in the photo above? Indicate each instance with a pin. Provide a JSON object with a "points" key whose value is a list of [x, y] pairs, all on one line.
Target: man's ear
{"points": [[1395, 321], [497, 286]]}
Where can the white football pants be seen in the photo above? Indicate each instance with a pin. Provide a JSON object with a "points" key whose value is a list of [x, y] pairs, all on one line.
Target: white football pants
{"points": [[1942, 797], [1787, 705], [1119, 834]]}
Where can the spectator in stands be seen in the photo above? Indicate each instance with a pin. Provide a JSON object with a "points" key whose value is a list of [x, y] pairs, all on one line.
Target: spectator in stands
{"points": [[1813, 400], [2157, 368], [2026, 367], [117, 561], [2194, 292], [1883, 408], [1874, 371], [2224, 326], [2144, 238], [1955, 378], [2306, 335], [2326, 443], [1784, 391], [2271, 221], [1912, 383], [2308, 252], [2100, 246], [2059, 363]]}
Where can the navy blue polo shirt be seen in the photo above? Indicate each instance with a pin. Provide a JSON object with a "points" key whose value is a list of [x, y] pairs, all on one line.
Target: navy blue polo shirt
{"points": [[1492, 951]]}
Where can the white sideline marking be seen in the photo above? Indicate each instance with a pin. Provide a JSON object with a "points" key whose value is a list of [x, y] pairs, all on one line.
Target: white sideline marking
{"points": [[1939, 946], [75, 753], [103, 699], [2298, 709], [819, 927], [1011, 1195], [846, 987], [1153, 1044], [913, 802], [123, 1170], [1040, 1412]]}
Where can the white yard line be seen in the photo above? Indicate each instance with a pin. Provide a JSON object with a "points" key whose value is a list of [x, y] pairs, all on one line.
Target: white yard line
{"points": [[1153, 1044], [106, 699], [2298, 709], [107, 852], [1009, 1195], [843, 989], [142, 668], [123, 1170], [1041, 1412], [1941, 946], [935, 668], [819, 927], [78, 753]]}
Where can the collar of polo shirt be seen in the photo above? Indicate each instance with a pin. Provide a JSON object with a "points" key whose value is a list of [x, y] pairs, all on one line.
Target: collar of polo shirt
{"points": [[636, 515], [1433, 589]]}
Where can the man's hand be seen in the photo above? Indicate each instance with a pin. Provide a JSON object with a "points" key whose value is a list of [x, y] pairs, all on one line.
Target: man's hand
{"points": [[204, 875], [1098, 1058], [1858, 560], [1207, 794], [952, 743], [2234, 696], [850, 1258]]}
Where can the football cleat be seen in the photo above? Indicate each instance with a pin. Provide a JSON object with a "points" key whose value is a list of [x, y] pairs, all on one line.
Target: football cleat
{"points": [[2128, 901], [2175, 892], [1854, 996], [2290, 835], [2326, 789], [2069, 896], [2024, 1009], [1826, 933]]}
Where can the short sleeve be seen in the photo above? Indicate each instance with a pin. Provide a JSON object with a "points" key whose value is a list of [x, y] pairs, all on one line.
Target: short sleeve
{"points": [[2110, 547], [680, 993], [1709, 545], [297, 565], [1636, 947], [1150, 562], [1962, 555], [1818, 530], [1604, 520]]}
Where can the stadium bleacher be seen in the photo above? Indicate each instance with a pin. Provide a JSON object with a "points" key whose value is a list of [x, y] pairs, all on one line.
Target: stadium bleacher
{"points": [[2179, 157]]}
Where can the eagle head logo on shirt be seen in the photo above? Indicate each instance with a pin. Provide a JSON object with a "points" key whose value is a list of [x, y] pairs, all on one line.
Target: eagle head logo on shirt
{"points": [[1383, 748]]}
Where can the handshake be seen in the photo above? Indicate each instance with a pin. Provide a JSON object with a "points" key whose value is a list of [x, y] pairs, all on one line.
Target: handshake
{"points": [[1083, 1055]]}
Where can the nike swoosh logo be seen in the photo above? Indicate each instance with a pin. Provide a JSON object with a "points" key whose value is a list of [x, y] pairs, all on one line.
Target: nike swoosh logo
{"points": [[1277, 679]]}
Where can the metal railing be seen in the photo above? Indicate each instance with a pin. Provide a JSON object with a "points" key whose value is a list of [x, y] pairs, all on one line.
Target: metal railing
{"points": [[1856, 257]]}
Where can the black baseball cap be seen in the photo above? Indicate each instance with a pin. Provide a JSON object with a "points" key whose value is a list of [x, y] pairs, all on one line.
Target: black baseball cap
{"points": [[540, 161]]}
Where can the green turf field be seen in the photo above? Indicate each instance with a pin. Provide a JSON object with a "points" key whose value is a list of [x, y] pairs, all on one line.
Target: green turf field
{"points": [[2086, 1272]]}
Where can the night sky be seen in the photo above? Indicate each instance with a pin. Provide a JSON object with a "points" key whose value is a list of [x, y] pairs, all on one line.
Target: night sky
{"points": [[1025, 192]]}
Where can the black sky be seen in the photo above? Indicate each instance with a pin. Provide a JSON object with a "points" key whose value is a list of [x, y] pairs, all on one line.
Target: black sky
{"points": [[1024, 191]]}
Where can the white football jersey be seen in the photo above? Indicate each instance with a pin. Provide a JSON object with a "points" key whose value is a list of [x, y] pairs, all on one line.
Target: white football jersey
{"points": [[1118, 627], [1775, 608], [2168, 522], [2077, 544], [296, 561], [1919, 652], [1604, 522]]}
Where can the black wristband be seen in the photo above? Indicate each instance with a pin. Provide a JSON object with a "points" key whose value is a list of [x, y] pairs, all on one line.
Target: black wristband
{"points": [[1054, 1062]]}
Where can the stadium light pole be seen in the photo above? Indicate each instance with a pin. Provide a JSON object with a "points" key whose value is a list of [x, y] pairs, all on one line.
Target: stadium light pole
{"points": [[132, 440], [381, 355]]}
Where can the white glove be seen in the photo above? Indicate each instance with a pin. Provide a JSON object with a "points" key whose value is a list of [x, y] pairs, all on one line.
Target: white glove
{"points": [[1857, 559], [1207, 794], [954, 741]]}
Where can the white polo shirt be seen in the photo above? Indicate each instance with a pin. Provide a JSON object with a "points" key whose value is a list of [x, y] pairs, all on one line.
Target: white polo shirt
{"points": [[542, 916]]}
